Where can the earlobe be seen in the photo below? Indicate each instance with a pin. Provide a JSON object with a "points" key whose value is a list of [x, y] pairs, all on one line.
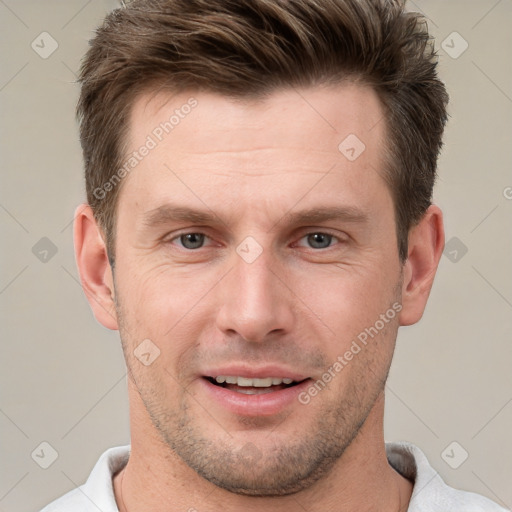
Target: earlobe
{"points": [[426, 243], [94, 268]]}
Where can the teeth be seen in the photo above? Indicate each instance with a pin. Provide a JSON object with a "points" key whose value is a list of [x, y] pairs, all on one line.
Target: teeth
{"points": [[252, 391], [257, 383]]}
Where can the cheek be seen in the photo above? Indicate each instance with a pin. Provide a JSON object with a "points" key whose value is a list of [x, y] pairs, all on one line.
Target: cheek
{"points": [[164, 304], [361, 313], [349, 299]]}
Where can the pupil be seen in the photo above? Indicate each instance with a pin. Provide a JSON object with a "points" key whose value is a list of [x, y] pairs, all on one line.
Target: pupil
{"points": [[192, 240], [319, 240]]}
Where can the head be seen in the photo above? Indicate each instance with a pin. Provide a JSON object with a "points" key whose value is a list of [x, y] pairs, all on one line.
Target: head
{"points": [[261, 175]]}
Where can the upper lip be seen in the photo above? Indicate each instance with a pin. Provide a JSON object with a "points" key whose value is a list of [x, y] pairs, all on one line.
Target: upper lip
{"points": [[261, 372]]}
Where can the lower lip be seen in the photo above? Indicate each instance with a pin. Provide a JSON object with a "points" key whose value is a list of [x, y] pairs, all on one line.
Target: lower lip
{"points": [[254, 405]]}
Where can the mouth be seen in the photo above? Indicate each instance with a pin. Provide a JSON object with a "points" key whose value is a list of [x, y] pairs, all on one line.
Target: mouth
{"points": [[253, 386], [242, 390]]}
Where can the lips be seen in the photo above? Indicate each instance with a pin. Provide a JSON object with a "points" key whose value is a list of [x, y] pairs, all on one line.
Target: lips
{"points": [[255, 391], [263, 372]]}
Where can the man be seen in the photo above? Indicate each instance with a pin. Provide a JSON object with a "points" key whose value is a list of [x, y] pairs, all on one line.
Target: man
{"points": [[259, 223]]}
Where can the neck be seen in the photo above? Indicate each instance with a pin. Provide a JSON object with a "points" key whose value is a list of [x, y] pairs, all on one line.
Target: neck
{"points": [[156, 479]]}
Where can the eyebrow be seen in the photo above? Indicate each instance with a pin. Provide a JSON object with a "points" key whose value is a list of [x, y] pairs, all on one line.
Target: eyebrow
{"points": [[326, 213], [168, 213]]}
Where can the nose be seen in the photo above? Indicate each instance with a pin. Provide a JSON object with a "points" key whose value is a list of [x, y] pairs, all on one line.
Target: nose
{"points": [[256, 302]]}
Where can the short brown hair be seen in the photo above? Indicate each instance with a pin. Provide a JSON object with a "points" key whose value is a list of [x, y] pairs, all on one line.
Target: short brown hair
{"points": [[249, 48]]}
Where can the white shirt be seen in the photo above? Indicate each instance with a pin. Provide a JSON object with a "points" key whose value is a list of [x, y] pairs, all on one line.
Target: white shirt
{"points": [[430, 493]]}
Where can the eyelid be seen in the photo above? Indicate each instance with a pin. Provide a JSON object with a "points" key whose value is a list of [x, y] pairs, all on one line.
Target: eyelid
{"points": [[339, 235], [169, 239], [341, 238]]}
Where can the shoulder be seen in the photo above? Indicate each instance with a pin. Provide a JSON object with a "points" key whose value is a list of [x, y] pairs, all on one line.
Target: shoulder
{"points": [[430, 492], [97, 493]]}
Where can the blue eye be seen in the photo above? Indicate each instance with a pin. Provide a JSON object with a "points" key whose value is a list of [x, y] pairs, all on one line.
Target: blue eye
{"points": [[319, 240], [192, 240]]}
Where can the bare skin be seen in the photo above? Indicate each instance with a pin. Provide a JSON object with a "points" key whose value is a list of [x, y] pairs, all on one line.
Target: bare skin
{"points": [[295, 308]]}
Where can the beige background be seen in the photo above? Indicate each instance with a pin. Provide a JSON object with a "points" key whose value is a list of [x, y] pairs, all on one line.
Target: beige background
{"points": [[62, 376]]}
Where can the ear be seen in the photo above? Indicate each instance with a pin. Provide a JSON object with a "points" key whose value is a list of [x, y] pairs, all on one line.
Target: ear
{"points": [[426, 244], [94, 268]]}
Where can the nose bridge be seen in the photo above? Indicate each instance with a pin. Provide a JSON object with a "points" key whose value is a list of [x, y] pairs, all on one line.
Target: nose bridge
{"points": [[255, 302]]}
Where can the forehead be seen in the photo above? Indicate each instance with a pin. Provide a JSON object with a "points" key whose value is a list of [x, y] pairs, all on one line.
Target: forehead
{"points": [[259, 150], [323, 114]]}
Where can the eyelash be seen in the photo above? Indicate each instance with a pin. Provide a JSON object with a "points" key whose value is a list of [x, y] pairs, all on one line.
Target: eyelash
{"points": [[178, 236]]}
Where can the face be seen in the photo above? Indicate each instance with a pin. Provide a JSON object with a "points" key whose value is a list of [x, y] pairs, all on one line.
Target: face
{"points": [[261, 263]]}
